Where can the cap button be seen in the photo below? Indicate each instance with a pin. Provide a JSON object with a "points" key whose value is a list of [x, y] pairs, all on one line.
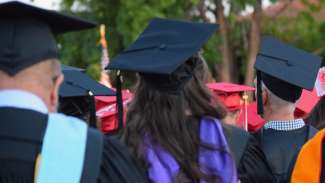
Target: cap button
{"points": [[162, 46]]}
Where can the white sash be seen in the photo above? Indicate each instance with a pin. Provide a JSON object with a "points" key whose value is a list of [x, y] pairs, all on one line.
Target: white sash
{"points": [[63, 150]]}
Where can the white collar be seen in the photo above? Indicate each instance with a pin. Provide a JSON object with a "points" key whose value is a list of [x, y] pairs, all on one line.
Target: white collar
{"points": [[285, 125], [22, 99]]}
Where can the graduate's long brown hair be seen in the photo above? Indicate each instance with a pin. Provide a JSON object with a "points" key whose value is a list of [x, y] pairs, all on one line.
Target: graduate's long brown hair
{"points": [[198, 96], [163, 116]]}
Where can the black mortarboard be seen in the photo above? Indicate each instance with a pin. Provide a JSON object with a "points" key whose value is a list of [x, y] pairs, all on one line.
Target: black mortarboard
{"points": [[27, 34], [78, 86], [67, 67], [284, 70], [163, 46], [160, 52]]}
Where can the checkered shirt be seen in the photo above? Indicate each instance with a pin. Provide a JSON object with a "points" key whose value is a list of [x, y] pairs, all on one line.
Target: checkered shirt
{"points": [[285, 125]]}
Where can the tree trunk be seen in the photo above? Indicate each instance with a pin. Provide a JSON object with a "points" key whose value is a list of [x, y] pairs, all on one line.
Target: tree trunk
{"points": [[254, 42], [227, 59], [202, 10]]}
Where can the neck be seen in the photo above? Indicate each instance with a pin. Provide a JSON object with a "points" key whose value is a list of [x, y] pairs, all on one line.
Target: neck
{"points": [[279, 116]]}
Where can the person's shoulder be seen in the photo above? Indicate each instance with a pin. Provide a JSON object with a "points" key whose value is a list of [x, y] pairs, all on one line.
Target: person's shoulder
{"points": [[232, 132], [235, 130], [237, 140], [118, 163], [312, 131], [63, 117]]}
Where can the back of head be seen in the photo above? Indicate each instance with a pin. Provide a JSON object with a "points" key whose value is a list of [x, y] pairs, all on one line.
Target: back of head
{"points": [[28, 49], [198, 97], [276, 105], [162, 116], [41, 79]]}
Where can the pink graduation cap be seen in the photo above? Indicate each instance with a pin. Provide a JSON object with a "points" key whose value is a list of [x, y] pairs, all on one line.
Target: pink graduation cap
{"points": [[306, 103], [320, 82], [254, 121], [229, 95], [106, 110], [309, 99]]}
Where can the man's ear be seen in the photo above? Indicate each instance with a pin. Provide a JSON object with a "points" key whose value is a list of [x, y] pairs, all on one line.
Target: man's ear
{"points": [[265, 97], [55, 93]]}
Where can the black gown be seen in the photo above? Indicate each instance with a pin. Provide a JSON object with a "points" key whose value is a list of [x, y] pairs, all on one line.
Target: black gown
{"points": [[21, 134], [282, 147], [252, 166]]}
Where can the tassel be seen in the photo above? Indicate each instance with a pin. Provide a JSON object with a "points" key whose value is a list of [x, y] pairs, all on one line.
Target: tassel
{"points": [[259, 98], [119, 100]]}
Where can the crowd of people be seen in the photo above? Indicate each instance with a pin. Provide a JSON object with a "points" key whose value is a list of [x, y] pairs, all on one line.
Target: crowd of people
{"points": [[175, 126]]}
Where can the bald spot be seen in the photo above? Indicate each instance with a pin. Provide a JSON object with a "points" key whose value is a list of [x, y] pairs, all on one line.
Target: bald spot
{"points": [[35, 78]]}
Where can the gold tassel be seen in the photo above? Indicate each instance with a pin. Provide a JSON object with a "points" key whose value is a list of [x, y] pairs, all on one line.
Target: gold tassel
{"points": [[37, 166]]}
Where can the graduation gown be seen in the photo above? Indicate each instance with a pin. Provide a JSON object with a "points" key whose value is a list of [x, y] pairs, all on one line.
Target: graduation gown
{"points": [[312, 156], [250, 160], [21, 135], [282, 147]]}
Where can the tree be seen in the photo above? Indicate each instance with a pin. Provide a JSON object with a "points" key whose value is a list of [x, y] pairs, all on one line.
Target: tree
{"points": [[227, 61], [124, 19], [230, 53], [254, 41]]}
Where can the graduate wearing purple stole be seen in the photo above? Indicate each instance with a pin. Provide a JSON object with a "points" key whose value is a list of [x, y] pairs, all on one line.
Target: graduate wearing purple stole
{"points": [[163, 168]]}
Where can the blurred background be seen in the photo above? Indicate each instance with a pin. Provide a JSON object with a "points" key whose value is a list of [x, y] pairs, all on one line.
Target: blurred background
{"points": [[230, 53]]}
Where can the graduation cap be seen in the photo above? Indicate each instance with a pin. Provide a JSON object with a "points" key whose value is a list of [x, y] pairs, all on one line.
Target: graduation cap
{"points": [[306, 103], [78, 86], [284, 70], [106, 110], [27, 34], [229, 87], [103, 101], [254, 121], [67, 67], [229, 94], [320, 82], [160, 52]]}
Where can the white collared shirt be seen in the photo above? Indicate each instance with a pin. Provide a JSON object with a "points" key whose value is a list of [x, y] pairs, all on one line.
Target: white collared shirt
{"points": [[23, 100]]}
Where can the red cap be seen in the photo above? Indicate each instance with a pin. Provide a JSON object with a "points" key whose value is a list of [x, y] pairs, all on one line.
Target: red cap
{"points": [[103, 101], [229, 94], [231, 101], [306, 103], [320, 82], [106, 110], [229, 87], [255, 122]]}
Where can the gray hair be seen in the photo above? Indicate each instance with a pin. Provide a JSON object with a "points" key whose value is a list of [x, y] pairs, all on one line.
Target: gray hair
{"points": [[276, 103]]}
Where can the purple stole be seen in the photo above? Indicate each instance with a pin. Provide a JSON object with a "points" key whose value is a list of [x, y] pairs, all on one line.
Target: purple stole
{"points": [[163, 168]]}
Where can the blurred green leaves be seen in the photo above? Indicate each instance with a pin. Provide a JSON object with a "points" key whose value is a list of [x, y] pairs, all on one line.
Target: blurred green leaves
{"points": [[125, 19]]}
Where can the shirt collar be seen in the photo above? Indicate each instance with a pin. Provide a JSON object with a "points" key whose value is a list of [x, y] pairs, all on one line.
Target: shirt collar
{"points": [[22, 99], [285, 125]]}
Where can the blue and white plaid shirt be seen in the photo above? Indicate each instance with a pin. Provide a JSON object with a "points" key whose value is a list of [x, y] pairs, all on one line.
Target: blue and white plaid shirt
{"points": [[285, 125]]}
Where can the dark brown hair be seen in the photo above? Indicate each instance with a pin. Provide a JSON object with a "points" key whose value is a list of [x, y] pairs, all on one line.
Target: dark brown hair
{"points": [[198, 96], [163, 116], [75, 106]]}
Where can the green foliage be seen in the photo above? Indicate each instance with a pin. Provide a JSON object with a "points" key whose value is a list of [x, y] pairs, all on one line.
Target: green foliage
{"points": [[125, 19], [212, 52], [303, 30]]}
